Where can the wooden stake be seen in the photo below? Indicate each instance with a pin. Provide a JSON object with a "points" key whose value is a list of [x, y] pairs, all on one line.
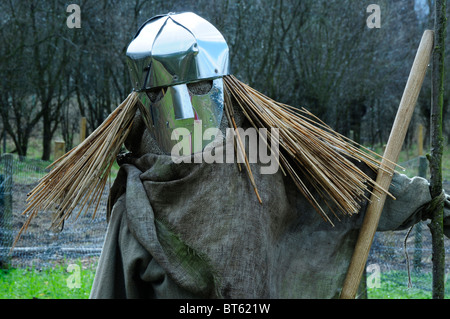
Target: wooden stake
{"points": [[420, 140], [59, 149], [394, 145], [82, 129]]}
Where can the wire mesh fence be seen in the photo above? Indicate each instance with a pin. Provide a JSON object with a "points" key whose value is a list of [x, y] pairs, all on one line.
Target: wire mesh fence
{"points": [[392, 252], [40, 244]]}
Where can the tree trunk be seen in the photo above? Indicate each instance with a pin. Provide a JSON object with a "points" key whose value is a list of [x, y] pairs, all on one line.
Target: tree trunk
{"points": [[435, 159], [47, 133]]}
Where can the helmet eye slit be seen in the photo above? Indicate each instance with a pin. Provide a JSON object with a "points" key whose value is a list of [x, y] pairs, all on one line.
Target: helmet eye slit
{"points": [[156, 94], [196, 88], [201, 87]]}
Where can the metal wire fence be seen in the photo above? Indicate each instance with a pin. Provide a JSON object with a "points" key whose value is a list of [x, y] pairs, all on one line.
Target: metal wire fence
{"points": [[39, 244]]}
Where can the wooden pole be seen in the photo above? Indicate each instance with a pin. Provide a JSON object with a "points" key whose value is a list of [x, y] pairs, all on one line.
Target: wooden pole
{"points": [[384, 178]]}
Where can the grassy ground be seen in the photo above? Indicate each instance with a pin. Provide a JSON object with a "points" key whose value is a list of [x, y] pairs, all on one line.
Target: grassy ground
{"points": [[394, 285], [69, 280], [408, 158], [60, 282]]}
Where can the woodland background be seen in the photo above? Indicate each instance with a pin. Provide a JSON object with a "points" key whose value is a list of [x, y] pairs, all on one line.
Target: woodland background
{"points": [[311, 53]]}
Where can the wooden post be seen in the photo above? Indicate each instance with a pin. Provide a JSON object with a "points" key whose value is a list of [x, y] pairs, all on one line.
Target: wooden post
{"points": [[384, 177], [420, 140], [422, 172], [60, 149], [82, 129]]}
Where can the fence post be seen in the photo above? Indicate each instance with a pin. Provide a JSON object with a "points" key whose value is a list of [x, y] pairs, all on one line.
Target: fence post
{"points": [[6, 235], [60, 149], [420, 140], [82, 129], [423, 166]]}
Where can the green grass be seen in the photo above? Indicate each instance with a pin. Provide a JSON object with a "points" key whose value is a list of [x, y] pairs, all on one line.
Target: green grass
{"points": [[28, 170], [55, 283], [58, 282], [394, 285], [408, 158]]}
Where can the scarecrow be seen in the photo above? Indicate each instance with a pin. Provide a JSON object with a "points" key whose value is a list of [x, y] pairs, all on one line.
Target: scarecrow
{"points": [[183, 227]]}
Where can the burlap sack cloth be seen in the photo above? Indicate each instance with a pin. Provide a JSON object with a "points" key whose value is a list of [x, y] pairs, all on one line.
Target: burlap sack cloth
{"points": [[198, 230]]}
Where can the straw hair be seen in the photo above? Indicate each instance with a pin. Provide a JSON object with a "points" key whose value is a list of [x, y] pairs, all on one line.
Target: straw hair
{"points": [[79, 177], [313, 155]]}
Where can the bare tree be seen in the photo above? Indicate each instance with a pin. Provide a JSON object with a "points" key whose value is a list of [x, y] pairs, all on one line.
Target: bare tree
{"points": [[18, 104], [312, 53], [49, 59]]}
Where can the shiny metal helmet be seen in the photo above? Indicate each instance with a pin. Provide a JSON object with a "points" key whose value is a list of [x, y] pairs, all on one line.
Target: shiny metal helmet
{"points": [[177, 62]]}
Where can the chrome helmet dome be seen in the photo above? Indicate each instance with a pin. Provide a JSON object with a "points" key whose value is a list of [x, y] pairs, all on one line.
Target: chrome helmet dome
{"points": [[177, 62]]}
